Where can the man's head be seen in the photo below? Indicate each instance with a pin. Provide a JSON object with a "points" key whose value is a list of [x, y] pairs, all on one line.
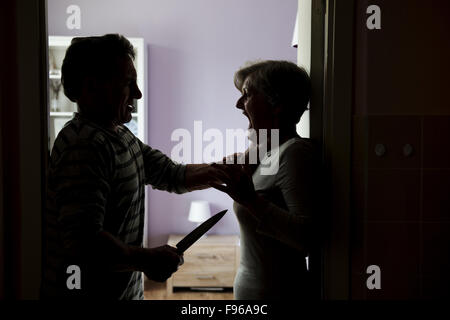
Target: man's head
{"points": [[98, 74]]}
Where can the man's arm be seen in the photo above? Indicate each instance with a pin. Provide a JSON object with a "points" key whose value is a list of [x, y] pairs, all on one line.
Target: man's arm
{"points": [[109, 253], [81, 182], [164, 174], [198, 176]]}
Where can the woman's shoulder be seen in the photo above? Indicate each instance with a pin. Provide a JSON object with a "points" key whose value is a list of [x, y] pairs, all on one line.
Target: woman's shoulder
{"points": [[297, 147], [299, 158]]}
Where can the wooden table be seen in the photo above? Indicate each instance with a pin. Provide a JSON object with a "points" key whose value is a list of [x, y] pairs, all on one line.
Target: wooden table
{"points": [[211, 262]]}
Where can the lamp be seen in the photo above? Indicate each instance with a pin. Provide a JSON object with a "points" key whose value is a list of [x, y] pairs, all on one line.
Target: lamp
{"points": [[199, 211]]}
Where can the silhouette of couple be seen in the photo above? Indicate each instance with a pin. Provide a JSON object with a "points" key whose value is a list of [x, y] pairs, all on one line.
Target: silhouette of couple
{"points": [[98, 171]]}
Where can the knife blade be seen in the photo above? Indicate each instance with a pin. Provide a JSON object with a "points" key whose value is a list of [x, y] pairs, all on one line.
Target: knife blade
{"points": [[197, 233]]}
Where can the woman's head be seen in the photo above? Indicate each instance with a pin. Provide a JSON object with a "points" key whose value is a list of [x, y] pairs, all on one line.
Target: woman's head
{"points": [[273, 90]]}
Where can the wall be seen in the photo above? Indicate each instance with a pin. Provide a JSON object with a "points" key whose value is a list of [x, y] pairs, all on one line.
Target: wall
{"points": [[194, 48], [400, 207]]}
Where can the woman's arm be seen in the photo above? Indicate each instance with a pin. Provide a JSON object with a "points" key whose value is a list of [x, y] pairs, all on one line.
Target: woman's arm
{"points": [[295, 179]]}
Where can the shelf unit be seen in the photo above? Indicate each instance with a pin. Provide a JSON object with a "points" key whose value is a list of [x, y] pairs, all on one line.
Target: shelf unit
{"points": [[61, 109]]}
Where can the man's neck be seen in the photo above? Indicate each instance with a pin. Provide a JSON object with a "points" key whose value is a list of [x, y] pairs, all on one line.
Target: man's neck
{"points": [[110, 126]]}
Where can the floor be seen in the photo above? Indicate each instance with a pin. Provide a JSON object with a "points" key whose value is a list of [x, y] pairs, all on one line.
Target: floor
{"points": [[157, 291]]}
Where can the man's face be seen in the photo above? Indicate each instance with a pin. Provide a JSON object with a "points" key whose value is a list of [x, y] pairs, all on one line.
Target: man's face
{"points": [[122, 91], [109, 100]]}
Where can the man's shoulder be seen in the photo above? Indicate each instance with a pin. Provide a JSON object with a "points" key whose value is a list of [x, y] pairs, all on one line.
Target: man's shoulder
{"points": [[76, 131], [78, 135]]}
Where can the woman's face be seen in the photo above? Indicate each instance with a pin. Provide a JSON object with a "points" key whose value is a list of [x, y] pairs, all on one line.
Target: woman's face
{"points": [[255, 107]]}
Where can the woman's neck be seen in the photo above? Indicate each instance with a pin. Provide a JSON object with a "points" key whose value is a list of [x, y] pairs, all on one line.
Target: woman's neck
{"points": [[286, 134], [283, 136]]}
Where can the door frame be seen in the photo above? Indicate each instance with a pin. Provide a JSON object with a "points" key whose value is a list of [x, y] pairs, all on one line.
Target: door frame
{"points": [[23, 148], [331, 75], [331, 125]]}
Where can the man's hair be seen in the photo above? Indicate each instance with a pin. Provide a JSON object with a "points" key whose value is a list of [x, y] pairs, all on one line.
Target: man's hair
{"points": [[282, 82], [92, 57]]}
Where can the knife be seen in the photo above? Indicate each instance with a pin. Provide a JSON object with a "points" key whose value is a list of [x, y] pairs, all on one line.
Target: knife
{"points": [[197, 233]]}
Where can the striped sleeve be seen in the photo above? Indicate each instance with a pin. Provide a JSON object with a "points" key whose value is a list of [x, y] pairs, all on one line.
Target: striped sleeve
{"points": [[81, 185], [161, 172]]}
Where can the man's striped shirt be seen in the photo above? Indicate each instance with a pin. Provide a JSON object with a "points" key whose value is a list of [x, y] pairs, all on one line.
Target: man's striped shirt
{"points": [[96, 182]]}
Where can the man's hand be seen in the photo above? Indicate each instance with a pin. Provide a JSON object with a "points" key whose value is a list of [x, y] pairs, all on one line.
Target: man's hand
{"points": [[110, 253], [236, 181], [160, 263], [198, 176], [202, 176]]}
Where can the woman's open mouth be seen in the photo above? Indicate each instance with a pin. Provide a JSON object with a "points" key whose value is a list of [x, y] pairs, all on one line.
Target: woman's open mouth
{"points": [[130, 108]]}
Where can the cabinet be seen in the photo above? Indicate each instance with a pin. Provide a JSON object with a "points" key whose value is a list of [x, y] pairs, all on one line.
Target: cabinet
{"points": [[62, 109], [211, 262]]}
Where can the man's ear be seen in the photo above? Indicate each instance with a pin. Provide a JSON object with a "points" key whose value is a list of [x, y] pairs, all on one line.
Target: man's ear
{"points": [[94, 87], [90, 84], [90, 89]]}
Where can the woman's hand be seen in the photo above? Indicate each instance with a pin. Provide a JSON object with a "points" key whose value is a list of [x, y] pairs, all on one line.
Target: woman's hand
{"points": [[236, 182]]}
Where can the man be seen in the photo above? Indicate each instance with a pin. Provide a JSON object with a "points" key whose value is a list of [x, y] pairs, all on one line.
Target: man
{"points": [[96, 181]]}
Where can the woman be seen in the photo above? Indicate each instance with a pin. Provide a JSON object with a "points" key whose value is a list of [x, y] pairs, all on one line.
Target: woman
{"points": [[274, 210]]}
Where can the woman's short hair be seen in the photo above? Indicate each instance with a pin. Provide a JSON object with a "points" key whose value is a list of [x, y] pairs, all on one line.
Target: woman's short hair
{"points": [[92, 57], [282, 82]]}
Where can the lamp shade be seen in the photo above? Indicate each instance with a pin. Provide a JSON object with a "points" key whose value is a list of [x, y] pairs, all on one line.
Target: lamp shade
{"points": [[199, 211]]}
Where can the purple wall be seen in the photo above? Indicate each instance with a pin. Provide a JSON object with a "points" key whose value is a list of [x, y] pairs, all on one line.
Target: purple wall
{"points": [[193, 47]]}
